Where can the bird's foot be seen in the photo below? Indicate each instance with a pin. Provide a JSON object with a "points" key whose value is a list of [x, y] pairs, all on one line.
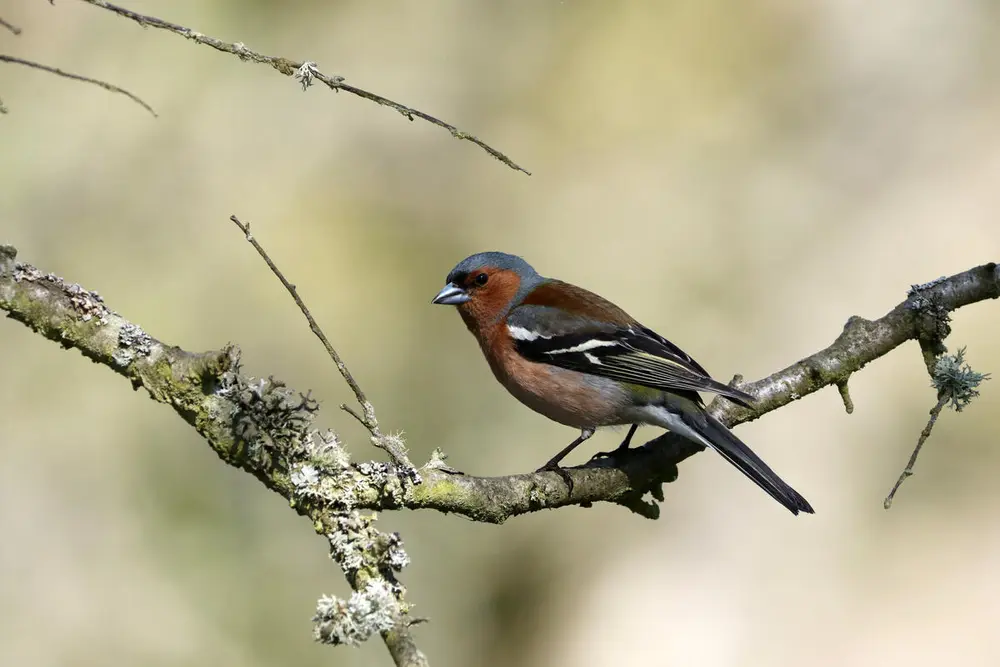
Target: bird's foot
{"points": [[619, 450], [613, 454]]}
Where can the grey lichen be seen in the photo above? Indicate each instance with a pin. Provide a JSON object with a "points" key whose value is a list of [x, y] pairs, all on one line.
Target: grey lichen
{"points": [[133, 343], [325, 450], [916, 289], [347, 549], [356, 545], [305, 74], [371, 610], [370, 559], [955, 380], [305, 479], [88, 303], [393, 554], [935, 317], [331, 488], [268, 417], [350, 540]]}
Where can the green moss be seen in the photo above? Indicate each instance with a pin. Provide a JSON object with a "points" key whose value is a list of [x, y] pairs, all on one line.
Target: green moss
{"points": [[440, 492]]}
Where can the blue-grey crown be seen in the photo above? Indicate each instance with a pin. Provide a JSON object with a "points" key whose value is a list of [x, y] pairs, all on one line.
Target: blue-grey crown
{"points": [[500, 260]]}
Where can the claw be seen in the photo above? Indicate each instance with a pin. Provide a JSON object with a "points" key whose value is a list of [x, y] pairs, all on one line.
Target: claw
{"points": [[621, 449]]}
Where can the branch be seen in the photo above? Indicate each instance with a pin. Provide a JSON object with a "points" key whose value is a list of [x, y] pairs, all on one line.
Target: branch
{"points": [[57, 311], [76, 77], [259, 425], [266, 429], [304, 72]]}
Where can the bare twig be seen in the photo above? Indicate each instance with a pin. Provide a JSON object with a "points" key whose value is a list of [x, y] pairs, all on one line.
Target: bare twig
{"points": [[10, 26], [76, 77], [392, 446], [304, 71], [956, 384], [926, 433]]}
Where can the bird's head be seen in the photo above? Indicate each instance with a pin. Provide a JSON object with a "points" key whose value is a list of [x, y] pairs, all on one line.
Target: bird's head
{"points": [[485, 286]]}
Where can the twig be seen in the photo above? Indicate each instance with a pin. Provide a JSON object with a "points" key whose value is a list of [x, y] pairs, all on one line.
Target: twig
{"points": [[926, 433], [76, 77], [956, 385], [10, 26], [305, 72], [845, 395], [368, 420]]}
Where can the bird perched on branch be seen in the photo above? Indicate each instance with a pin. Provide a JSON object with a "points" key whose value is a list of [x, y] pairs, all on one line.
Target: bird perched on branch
{"points": [[582, 361]]}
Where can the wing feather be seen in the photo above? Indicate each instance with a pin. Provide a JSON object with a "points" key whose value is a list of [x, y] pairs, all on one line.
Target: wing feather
{"points": [[627, 353]]}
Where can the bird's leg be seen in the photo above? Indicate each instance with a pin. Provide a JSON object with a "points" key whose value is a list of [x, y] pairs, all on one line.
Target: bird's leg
{"points": [[553, 464], [620, 449]]}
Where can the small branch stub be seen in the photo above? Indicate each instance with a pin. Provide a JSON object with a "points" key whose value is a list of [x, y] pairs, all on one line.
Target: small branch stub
{"points": [[845, 395]]}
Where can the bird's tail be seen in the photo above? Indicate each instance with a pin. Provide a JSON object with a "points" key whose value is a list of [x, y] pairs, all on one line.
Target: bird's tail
{"points": [[733, 450]]}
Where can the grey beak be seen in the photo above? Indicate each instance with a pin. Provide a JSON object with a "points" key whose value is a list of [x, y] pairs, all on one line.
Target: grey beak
{"points": [[451, 295]]}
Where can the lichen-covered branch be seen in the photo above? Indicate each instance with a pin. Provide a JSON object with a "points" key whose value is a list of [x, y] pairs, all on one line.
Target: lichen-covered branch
{"points": [[266, 429], [256, 424], [192, 383], [305, 72]]}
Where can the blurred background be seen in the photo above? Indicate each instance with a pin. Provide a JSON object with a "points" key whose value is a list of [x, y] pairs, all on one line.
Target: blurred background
{"points": [[742, 177]]}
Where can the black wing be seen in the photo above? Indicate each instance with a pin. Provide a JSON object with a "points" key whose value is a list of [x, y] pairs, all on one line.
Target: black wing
{"points": [[628, 353]]}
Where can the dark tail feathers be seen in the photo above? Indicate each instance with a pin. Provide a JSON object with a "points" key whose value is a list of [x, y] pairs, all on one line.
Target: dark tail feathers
{"points": [[733, 450]]}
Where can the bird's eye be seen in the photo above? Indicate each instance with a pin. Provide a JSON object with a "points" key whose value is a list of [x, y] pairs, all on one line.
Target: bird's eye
{"points": [[481, 279]]}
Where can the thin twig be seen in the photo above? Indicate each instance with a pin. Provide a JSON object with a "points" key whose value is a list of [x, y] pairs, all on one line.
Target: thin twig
{"points": [[341, 366], [368, 419], [77, 77], [10, 26], [304, 71], [926, 433]]}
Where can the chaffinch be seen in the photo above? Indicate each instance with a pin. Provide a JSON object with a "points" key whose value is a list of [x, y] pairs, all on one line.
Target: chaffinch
{"points": [[582, 361]]}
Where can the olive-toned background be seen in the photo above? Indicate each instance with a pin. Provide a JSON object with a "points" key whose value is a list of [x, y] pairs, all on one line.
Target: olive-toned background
{"points": [[740, 176]]}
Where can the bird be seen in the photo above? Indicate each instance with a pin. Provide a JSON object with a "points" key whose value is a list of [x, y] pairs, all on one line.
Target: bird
{"points": [[582, 361]]}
